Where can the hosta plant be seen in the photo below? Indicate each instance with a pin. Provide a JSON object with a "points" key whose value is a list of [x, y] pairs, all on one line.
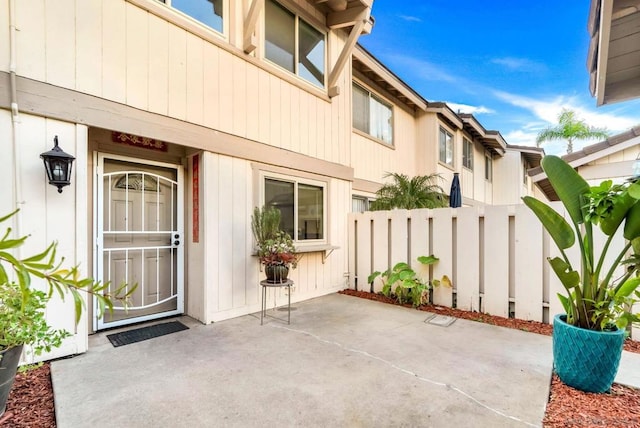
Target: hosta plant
{"points": [[405, 284], [599, 295]]}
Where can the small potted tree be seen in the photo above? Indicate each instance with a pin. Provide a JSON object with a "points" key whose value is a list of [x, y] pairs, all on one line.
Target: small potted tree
{"points": [[275, 247], [588, 338], [22, 306]]}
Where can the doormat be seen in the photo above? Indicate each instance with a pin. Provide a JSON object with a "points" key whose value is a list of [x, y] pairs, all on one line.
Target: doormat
{"points": [[440, 320], [144, 333]]}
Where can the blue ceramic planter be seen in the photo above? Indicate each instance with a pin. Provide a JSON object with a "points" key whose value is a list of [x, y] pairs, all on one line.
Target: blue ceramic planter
{"points": [[584, 359]]}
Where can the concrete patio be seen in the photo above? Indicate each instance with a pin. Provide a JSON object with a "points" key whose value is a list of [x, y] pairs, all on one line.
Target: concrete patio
{"points": [[343, 361]]}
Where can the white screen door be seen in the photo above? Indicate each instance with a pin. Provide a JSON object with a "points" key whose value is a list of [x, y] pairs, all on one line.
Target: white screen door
{"points": [[139, 237]]}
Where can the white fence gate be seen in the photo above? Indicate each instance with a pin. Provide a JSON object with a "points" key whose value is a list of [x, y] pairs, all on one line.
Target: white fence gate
{"points": [[496, 256]]}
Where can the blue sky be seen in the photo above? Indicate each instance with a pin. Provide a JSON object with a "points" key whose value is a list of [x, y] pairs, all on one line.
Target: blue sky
{"points": [[513, 64]]}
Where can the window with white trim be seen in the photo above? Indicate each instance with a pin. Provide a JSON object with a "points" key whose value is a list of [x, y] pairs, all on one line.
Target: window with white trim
{"points": [[524, 172], [467, 154], [208, 12], [488, 166], [301, 204], [372, 115], [446, 147], [360, 204], [294, 44]]}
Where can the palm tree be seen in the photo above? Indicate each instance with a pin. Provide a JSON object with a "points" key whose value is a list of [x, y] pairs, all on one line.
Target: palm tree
{"points": [[421, 191], [570, 128]]}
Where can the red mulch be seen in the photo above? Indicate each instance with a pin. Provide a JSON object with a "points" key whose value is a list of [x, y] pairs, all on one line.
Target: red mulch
{"points": [[31, 400], [567, 406]]}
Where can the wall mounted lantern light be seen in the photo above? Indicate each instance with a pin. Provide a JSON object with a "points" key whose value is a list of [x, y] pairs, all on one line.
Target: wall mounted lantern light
{"points": [[57, 163]]}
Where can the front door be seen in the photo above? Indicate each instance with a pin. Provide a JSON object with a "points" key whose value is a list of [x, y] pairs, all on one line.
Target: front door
{"points": [[139, 237]]}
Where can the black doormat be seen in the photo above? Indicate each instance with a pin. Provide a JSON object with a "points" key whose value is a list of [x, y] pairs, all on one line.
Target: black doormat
{"points": [[144, 333]]}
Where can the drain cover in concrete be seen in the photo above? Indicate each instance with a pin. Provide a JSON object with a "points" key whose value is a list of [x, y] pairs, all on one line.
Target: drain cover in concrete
{"points": [[441, 320]]}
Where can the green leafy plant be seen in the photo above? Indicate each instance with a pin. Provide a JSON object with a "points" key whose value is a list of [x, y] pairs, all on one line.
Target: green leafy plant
{"points": [[22, 307], [595, 299], [274, 246], [421, 191], [404, 284]]}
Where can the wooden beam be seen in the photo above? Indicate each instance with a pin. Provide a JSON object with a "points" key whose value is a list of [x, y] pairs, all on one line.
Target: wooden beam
{"points": [[250, 40], [348, 17], [345, 54]]}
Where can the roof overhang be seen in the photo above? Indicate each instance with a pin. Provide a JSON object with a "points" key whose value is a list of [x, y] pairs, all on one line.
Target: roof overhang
{"points": [[533, 155], [444, 112], [613, 60], [588, 154], [374, 70], [491, 140]]}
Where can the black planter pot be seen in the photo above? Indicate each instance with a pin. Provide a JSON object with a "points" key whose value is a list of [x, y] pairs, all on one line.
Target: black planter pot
{"points": [[585, 359], [9, 359], [276, 273]]}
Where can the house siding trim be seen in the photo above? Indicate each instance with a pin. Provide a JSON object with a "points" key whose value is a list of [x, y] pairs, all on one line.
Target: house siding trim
{"points": [[42, 99]]}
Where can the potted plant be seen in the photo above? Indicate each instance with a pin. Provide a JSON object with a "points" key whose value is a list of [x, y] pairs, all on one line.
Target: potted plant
{"points": [[275, 247], [22, 306], [588, 339]]}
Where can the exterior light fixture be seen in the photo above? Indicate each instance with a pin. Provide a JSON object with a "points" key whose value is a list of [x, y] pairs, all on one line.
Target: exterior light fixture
{"points": [[57, 164]]}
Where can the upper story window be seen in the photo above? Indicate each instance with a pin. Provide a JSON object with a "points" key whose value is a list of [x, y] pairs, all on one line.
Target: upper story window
{"points": [[360, 204], [524, 172], [293, 44], [372, 115], [488, 166], [446, 147], [302, 206], [209, 12], [467, 154]]}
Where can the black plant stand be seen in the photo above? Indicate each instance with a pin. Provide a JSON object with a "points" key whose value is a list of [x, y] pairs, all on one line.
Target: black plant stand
{"points": [[263, 308]]}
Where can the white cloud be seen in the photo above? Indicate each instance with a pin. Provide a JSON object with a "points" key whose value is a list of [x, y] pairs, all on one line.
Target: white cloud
{"points": [[410, 18], [548, 111], [465, 108], [519, 64], [521, 138], [425, 69]]}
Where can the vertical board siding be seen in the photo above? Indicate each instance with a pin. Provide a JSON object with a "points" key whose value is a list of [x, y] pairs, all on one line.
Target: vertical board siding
{"points": [[467, 275], [118, 51], [137, 57], [399, 242], [114, 51], [512, 239], [48, 216], [528, 270], [363, 258], [380, 247], [195, 79], [4, 35], [419, 240], [158, 81], [231, 273], [496, 269], [88, 47], [442, 245]]}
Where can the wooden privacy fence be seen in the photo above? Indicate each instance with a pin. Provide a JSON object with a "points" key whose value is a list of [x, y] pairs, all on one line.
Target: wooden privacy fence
{"points": [[496, 256]]}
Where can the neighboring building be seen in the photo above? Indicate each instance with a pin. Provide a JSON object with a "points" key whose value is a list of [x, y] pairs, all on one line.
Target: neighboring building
{"points": [[183, 116], [615, 158], [614, 52], [397, 130]]}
